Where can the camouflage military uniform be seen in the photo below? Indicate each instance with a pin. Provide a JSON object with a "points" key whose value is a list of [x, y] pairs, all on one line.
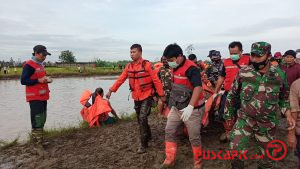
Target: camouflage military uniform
{"points": [[213, 71], [262, 98], [165, 76]]}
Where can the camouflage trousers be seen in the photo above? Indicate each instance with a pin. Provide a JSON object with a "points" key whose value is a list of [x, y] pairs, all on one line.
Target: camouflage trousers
{"points": [[242, 131]]}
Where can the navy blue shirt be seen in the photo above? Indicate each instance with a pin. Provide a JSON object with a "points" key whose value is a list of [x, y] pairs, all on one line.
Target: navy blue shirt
{"points": [[27, 72]]}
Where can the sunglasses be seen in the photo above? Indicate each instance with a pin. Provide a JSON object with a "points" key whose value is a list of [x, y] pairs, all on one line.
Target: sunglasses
{"points": [[256, 55]]}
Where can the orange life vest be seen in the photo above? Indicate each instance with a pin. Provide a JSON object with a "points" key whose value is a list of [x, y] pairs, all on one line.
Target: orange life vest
{"points": [[179, 77], [232, 70], [96, 112], [39, 91], [139, 79]]}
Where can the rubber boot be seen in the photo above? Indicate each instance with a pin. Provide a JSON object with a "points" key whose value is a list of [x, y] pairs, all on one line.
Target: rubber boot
{"points": [[171, 149], [228, 125], [197, 157], [37, 140], [143, 145]]}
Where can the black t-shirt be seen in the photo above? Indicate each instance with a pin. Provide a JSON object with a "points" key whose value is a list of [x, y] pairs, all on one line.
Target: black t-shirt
{"points": [[193, 74]]}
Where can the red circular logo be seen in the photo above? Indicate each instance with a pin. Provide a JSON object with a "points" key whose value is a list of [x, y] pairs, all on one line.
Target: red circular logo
{"points": [[277, 146]]}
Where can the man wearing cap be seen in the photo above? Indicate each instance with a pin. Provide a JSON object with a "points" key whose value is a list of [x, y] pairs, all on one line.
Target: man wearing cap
{"points": [[228, 73], [214, 70], [263, 92], [276, 60], [291, 68], [37, 92]]}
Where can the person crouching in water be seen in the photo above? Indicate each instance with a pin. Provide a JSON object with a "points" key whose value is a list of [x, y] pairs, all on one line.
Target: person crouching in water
{"points": [[96, 109], [184, 99]]}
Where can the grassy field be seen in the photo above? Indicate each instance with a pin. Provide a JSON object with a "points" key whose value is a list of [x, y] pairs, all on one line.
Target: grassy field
{"points": [[65, 71]]}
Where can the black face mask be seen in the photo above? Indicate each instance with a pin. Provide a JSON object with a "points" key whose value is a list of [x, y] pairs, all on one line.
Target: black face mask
{"points": [[260, 65], [216, 60]]}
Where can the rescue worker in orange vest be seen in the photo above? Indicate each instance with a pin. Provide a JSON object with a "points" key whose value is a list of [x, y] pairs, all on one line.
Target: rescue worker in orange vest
{"points": [[228, 73], [142, 80], [96, 109], [37, 92], [184, 98]]}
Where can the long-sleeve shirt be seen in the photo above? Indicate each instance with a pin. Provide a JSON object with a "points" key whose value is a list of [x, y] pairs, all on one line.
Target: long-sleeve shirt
{"points": [[292, 72], [137, 94], [261, 96], [27, 72]]}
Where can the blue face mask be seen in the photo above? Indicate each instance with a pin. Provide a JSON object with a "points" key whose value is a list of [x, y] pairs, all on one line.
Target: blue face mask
{"points": [[173, 64], [235, 57]]}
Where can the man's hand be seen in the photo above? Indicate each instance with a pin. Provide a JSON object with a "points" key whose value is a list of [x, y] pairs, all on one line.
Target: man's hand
{"points": [[42, 80], [49, 79], [108, 94], [291, 121], [292, 140], [187, 112]]}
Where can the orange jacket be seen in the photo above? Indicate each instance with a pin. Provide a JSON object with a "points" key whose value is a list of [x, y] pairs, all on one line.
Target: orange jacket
{"points": [[39, 91], [139, 80], [97, 111], [232, 70]]}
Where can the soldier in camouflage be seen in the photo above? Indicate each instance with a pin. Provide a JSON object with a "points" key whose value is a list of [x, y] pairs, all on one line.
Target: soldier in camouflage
{"points": [[165, 76], [215, 68], [263, 92]]}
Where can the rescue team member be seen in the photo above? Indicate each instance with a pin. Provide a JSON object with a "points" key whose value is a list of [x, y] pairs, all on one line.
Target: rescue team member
{"points": [[96, 109], [37, 92], [185, 94], [165, 76], [142, 80], [229, 71], [263, 91]]}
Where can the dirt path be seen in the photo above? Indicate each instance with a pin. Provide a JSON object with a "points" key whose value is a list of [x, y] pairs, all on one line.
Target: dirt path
{"points": [[115, 147]]}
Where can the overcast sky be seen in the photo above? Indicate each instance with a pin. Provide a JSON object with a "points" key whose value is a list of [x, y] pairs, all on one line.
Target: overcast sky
{"points": [[106, 29]]}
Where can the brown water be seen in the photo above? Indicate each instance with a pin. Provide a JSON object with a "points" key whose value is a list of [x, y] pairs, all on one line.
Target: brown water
{"points": [[63, 106]]}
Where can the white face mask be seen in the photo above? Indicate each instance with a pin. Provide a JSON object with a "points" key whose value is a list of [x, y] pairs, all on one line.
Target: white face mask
{"points": [[235, 57], [173, 64]]}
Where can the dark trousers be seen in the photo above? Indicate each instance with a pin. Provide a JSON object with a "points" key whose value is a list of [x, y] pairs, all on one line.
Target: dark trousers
{"points": [[222, 105], [143, 109], [38, 113]]}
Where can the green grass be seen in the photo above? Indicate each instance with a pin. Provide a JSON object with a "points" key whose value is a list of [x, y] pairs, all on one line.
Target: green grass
{"points": [[66, 71], [128, 117], [8, 144]]}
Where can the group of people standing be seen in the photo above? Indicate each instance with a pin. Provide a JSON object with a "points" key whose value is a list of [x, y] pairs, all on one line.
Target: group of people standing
{"points": [[255, 92]]}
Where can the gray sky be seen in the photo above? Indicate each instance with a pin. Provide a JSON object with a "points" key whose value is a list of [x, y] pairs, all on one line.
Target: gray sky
{"points": [[106, 29]]}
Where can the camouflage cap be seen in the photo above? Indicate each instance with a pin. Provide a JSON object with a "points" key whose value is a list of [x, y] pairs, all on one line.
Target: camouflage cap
{"points": [[260, 48]]}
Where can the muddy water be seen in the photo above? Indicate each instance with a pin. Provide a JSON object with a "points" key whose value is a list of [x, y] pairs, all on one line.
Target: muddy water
{"points": [[63, 106]]}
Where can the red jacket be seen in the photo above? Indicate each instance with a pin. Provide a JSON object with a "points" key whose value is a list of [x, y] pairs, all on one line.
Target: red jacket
{"points": [[39, 91], [141, 80], [232, 70]]}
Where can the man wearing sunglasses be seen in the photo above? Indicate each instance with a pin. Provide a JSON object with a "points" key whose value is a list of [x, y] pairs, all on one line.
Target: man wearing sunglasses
{"points": [[37, 93], [183, 101], [262, 91]]}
